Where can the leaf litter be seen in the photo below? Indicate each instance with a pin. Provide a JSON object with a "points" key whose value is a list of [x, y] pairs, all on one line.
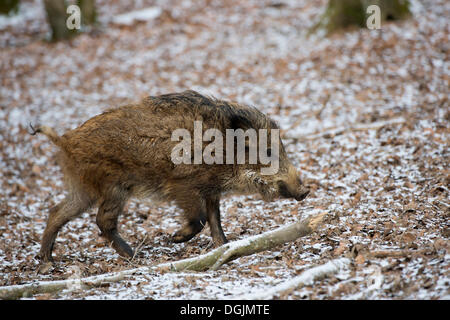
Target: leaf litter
{"points": [[364, 114]]}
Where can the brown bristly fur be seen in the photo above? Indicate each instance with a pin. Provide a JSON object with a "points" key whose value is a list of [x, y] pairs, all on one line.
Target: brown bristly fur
{"points": [[126, 152]]}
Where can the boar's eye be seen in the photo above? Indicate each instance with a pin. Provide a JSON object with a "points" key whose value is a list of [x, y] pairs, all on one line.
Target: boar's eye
{"points": [[283, 189]]}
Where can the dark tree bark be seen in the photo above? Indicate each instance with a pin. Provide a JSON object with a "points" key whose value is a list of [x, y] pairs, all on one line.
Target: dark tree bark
{"points": [[9, 6], [342, 14], [88, 12], [57, 17]]}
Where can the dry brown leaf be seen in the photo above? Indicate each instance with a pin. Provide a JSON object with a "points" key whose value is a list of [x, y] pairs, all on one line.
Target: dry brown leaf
{"points": [[360, 259]]}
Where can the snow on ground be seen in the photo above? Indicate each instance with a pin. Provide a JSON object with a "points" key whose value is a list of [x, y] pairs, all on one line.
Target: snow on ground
{"points": [[385, 188]]}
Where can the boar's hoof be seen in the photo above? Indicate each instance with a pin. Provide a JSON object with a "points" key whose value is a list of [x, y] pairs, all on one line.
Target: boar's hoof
{"points": [[118, 244], [219, 242], [179, 237], [44, 256], [185, 234], [188, 231], [123, 248]]}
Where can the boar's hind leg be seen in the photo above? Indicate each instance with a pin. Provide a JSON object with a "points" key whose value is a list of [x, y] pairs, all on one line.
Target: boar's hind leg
{"points": [[72, 206], [107, 216], [213, 214]]}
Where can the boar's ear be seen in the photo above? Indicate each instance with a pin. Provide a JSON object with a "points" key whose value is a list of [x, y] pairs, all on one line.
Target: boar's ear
{"points": [[238, 121]]}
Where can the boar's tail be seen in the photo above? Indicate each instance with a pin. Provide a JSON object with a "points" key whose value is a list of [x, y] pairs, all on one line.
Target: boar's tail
{"points": [[49, 132]]}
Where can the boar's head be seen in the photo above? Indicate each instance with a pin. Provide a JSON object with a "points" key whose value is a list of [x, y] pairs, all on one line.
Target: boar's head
{"points": [[283, 180], [289, 185]]}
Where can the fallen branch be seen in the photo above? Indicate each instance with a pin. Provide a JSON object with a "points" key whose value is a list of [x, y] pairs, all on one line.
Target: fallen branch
{"points": [[209, 261], [248, 246], [28, 290], [338, 131], [395, 253], [306, 278]]}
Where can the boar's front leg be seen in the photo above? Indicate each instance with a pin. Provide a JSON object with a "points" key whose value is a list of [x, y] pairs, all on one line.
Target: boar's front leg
{"points": [[213, 215], [107, 216]]}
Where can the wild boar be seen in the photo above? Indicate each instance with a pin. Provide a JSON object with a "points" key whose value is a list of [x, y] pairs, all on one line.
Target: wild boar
{"points": [[131, 152]]}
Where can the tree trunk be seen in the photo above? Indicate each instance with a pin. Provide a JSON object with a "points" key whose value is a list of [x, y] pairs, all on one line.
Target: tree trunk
{"points": [[88, 12], [342, 14], [56, 17], [9, 6]]}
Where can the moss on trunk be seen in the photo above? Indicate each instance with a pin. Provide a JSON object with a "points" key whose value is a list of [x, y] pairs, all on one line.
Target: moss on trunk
{"points": [[341, 14], [88, 12], [9, 6], [57, 16]]}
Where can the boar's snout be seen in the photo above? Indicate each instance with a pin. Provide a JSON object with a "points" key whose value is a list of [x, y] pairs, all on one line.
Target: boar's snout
{"points": [[302, 194], [299, 193]]}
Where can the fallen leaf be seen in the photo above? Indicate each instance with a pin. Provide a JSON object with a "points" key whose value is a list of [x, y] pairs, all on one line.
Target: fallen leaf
{"points": [[360, 259]]}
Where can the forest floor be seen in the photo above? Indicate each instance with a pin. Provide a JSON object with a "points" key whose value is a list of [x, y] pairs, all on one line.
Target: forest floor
{"points": [[365, 117]]}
